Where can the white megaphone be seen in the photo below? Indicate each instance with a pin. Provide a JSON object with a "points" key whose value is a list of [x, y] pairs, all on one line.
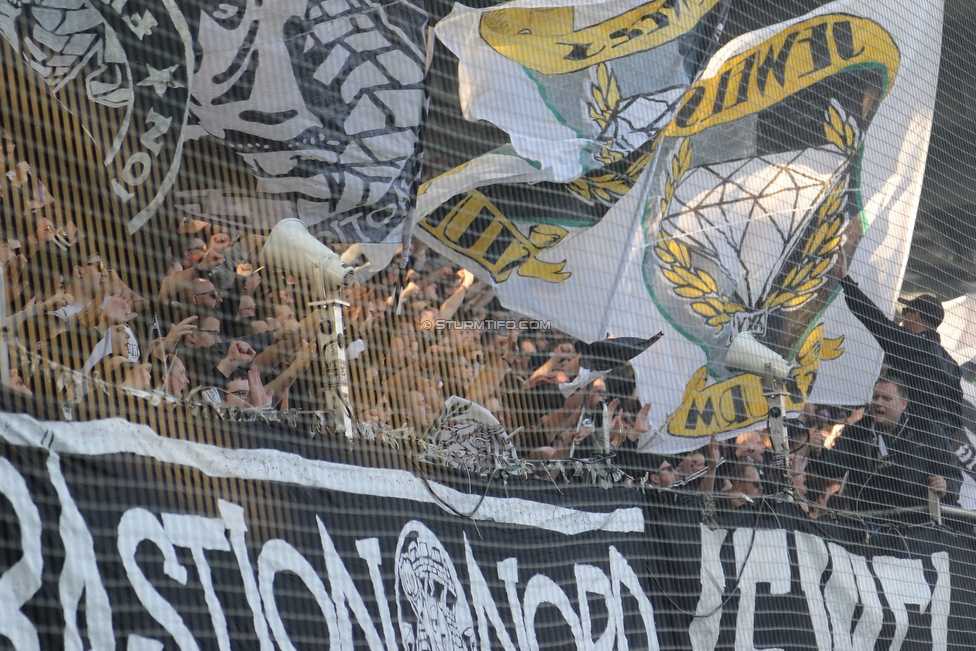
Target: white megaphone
{"points": [[290, 247], [747, 354]]}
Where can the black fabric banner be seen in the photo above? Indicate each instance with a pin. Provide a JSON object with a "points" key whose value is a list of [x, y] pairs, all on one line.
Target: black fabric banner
{"points": [[116, 538]]}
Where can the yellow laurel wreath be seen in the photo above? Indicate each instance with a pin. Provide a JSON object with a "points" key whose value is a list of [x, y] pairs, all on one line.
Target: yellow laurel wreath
{"points": [[605, 187], [819, 252], [841, 132], [680, 163], [813, 350], [688, 281], [638, 166], [600, 185], [825, 239], [609, 187], [606, 97]]}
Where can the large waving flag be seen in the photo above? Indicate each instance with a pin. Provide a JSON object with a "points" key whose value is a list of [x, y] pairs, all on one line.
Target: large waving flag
{"points": [[314, 109], [582, 91], [130, 65], [321, 101], [799, 142], [796, 142], [957, 335]]}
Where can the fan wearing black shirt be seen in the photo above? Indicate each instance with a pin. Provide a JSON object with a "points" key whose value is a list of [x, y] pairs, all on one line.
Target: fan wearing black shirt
{"points": [[914, 352], [893, 457]]}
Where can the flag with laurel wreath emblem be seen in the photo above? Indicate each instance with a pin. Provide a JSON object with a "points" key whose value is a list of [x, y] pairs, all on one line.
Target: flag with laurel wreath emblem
{"points": [[592, 85], [795, 143], [799, 144]]}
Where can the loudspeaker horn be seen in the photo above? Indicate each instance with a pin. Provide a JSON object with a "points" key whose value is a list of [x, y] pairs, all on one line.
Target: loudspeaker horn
{"points": [[290, 247], [747, 354]]}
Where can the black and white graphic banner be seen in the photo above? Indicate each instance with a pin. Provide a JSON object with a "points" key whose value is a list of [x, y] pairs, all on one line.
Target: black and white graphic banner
{"points": [[131, 64], [115, 538], [319, 104], [322, 104]]}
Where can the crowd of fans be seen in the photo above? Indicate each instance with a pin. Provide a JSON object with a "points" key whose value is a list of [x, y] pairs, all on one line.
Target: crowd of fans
{"points": [[221, 331]]}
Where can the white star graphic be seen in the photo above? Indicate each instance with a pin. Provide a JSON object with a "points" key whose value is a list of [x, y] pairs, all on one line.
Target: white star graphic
{"points": [[160, 80]]}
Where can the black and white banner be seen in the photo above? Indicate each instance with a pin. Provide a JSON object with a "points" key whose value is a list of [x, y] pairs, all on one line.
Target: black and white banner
{"points": [[321, 101], [116, 538], [131, 64], [317, 103]]}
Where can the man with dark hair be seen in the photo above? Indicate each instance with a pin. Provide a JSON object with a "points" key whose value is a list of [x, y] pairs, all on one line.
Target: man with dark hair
{"points": [[207, 362], [83, 276], [893, 457], [914, 352], [738, 506], [660, 472], [746, 481]]}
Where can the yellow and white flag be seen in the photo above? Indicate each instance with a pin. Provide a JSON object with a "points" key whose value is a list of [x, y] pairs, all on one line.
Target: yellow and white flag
{"points": [[583, 92], [792, 144], [799, 143]]}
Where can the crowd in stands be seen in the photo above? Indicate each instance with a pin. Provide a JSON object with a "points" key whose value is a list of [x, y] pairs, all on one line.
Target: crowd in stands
{"points": [[221, 331]]}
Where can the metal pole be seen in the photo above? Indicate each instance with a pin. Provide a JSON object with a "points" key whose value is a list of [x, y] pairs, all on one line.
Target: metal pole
{"points": [[775, 394], [934, 509], [4, 335], [332, 357]]}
